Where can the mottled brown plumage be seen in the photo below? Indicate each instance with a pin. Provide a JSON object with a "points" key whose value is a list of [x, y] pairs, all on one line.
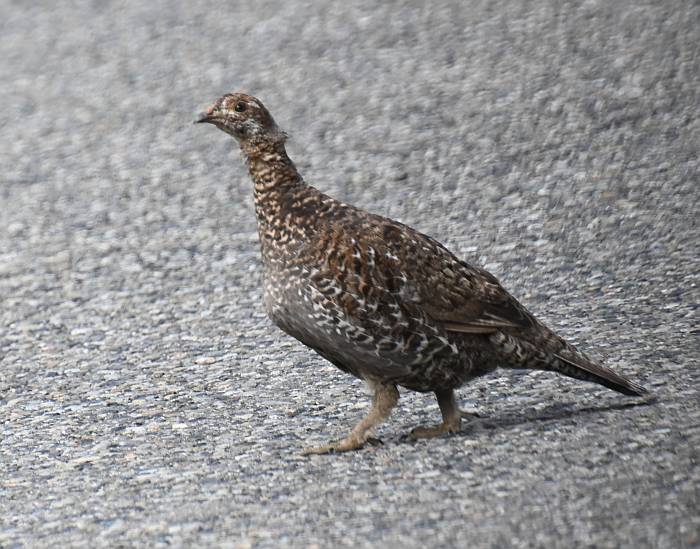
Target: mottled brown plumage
{"points": [[378, 299]]}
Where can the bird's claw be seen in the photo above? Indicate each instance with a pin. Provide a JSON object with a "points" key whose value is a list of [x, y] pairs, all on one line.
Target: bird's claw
{"points": [[346, 445], [320, 450]]}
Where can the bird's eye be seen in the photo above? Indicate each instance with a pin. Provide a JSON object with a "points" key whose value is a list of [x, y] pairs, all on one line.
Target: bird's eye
{"points": [[240, 106]]}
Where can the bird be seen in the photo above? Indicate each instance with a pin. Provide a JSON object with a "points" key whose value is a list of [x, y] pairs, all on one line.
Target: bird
{"points": [[379, 299]]}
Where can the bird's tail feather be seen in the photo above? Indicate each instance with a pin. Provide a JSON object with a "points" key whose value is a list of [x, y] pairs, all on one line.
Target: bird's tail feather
{"points": [[590, 371], [568, 361]]}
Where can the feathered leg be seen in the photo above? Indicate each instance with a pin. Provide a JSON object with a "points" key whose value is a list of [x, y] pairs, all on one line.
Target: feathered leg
{"points": [[384, 399], [451, 417]]}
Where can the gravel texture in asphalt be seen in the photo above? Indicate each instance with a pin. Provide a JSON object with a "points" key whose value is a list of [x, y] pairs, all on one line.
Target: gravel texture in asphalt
{"points": [[145, 398]]}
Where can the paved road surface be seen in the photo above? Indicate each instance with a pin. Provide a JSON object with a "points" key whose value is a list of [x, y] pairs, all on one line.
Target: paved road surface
{"points": [[147, 401]]}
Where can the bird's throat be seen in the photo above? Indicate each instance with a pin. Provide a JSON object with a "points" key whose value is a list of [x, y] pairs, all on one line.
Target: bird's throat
{"points": [[278, 187], [272, 171]]}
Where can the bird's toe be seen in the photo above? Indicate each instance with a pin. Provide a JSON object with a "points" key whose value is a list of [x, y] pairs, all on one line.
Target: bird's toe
{"points": [[434, 431], [346, 445]]}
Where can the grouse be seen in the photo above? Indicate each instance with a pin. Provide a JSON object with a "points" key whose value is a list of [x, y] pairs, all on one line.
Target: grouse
{"points": [[378, 299]]}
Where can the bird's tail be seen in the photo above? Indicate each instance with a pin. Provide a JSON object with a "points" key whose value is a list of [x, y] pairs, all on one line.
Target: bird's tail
{"points": [[567, 361]]}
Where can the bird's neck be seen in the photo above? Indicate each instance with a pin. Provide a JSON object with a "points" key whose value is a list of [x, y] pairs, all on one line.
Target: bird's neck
{"points": [[272, 171], [278, 189]]}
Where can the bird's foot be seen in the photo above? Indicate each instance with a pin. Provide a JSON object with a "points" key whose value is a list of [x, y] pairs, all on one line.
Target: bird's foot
{"points": [[431, 432], [451, 424], [385, 398], [446, 427], [348, 444]]}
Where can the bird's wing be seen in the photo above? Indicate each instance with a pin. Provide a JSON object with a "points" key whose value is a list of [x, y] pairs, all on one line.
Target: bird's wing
{"points": [[458, 296], [473, 301]]}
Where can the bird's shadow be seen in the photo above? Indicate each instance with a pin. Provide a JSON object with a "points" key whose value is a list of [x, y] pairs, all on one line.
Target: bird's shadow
{"points": [[554, 412]]}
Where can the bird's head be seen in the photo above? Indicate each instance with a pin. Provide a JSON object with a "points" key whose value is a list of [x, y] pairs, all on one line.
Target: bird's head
{"points": [[245, 118]]}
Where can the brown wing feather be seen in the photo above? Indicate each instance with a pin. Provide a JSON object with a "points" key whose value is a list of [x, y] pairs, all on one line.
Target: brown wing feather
{"points": [[467, 329], [459, 296]]}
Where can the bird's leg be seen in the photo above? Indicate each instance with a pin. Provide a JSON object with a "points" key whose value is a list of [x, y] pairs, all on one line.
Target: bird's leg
{"points": [[384, 399], [451, 417]]}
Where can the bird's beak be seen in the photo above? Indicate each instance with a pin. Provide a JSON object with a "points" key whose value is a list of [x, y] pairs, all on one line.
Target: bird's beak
{"points": [[203, 117]]}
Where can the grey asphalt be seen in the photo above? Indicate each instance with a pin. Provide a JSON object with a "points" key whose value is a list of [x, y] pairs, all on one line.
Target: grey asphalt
{"points": [[147, 401]]}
